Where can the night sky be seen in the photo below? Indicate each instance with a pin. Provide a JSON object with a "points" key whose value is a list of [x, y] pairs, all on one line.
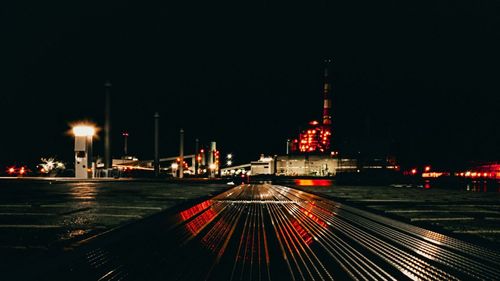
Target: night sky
{"points": [[419, 80]]}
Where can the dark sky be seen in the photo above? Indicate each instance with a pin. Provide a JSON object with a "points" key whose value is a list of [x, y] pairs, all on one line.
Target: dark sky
{"points": [[424, 76]]}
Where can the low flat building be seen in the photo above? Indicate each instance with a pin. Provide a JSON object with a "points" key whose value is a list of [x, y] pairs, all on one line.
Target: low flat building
{"points": [[306, 165], [263, 166]]}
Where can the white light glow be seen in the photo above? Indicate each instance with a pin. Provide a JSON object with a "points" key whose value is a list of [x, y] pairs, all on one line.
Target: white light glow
{"points": [[83, 131]]}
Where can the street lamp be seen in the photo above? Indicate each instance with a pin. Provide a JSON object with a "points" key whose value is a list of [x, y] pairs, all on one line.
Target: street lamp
{"points": [[83, 150]]}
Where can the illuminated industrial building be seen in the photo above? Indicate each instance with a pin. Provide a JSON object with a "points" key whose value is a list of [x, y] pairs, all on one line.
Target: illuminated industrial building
{"points": [[317, 137]]}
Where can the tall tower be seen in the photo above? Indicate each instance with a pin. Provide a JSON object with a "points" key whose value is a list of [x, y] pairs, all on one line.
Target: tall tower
{"points": [[107, 126], [327, 100], [317, 137]]}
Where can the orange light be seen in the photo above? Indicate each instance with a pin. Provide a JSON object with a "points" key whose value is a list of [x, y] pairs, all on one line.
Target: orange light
{"points": [[11, 170], [304, 182], [427, 168]]}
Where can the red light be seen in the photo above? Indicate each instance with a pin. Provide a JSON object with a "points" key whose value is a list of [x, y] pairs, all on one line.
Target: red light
{"points": [[11, 170], [313, 182], [413, 171], [189, 213], [427, 168], [308, 239]]}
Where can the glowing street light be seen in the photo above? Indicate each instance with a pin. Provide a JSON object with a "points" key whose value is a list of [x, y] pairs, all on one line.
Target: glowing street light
{"points": [[83, 131], [174, 166], [83, 150]]}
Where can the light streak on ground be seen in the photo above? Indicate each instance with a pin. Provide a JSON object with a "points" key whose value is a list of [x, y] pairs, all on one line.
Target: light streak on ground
{"points": [[270, 232]]}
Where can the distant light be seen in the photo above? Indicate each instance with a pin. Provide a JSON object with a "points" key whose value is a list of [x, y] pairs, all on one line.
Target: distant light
{"points": [[229, 162], [413, 171], [12, 170], [175, 166], [212, 166], [427, 168], [83, 131], [229, 156]]}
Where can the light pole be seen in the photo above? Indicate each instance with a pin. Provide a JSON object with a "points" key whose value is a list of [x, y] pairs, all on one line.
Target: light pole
{"points": [[125, 143], [107, 126], [157, 145], [83, 151], [181, 153]]}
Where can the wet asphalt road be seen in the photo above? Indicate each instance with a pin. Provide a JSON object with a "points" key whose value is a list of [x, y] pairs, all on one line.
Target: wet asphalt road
{"points": [[270, 232], [471, 214], [39, 220]]}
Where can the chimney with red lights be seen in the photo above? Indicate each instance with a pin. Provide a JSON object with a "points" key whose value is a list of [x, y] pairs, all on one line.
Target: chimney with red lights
{"points": [[327, 101]]}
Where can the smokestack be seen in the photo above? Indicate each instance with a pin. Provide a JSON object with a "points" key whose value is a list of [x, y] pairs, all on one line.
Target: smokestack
{"points": [[327, 101], [107, 126], [157, 143], [181, 154]]}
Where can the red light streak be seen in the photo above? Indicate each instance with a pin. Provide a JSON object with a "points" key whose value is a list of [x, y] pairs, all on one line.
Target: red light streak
{"points": [[196, 225], [304, 182], [314, 218], [189, 213], [308, 239]]}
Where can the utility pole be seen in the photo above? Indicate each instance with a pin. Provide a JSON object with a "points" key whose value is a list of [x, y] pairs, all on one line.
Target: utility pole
{"points": [[196, 153], [107, 126], [125, 143], [181, 154], [157, 145]]}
